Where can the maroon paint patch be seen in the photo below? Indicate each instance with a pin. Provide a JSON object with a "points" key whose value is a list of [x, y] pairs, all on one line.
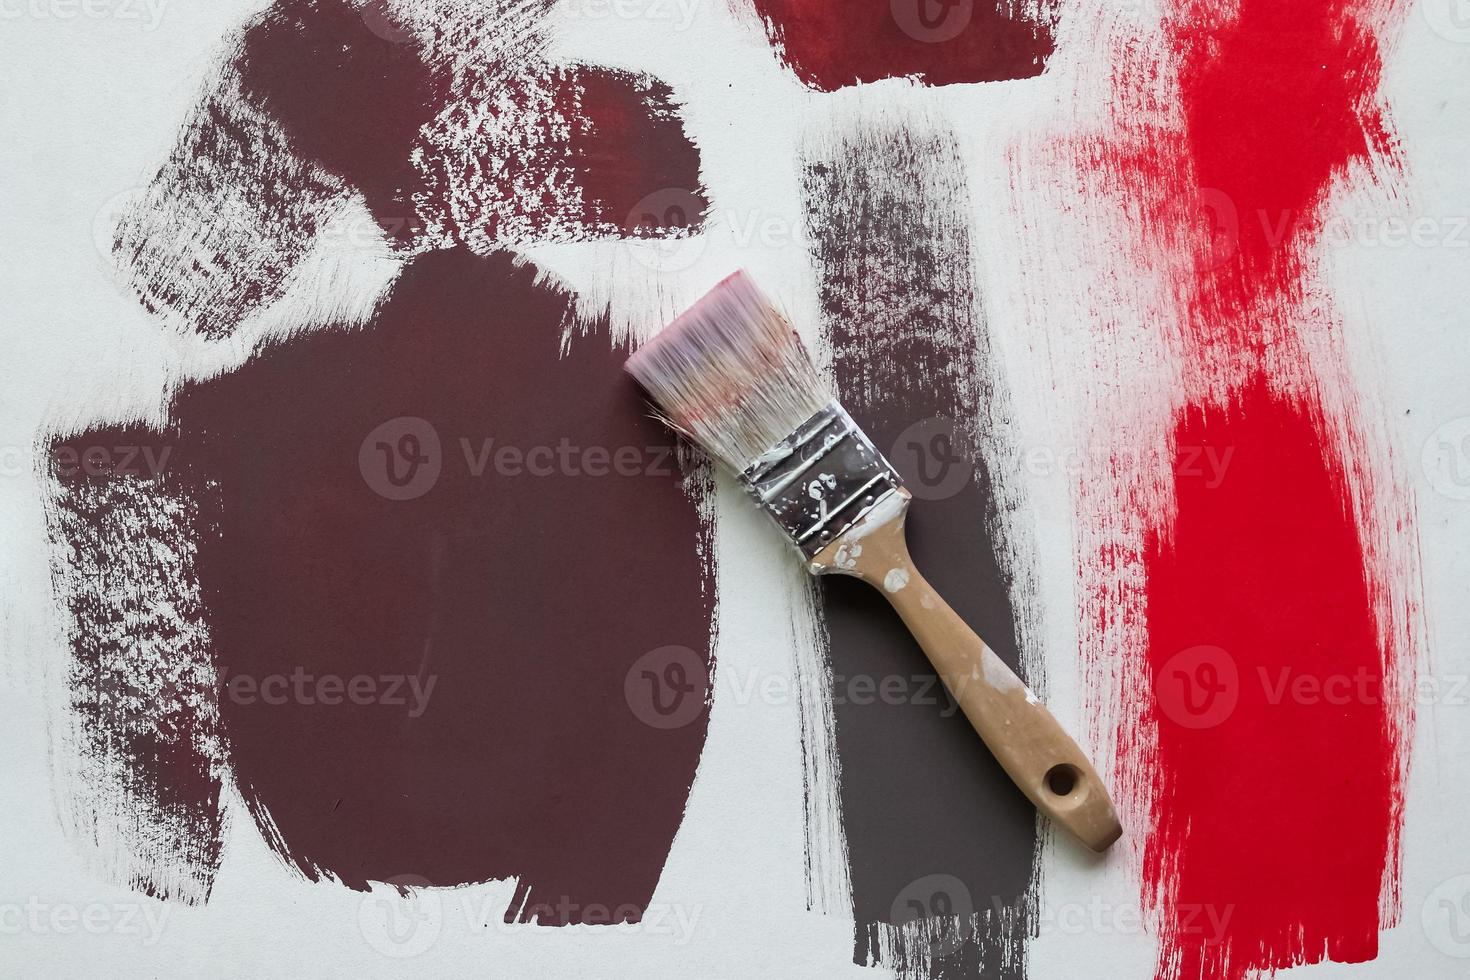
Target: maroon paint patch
{"points": [[318, 101], [831, 44], [459, 597]]}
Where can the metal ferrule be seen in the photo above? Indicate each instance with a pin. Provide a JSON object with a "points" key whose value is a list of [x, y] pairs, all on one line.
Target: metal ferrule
{"points": [[818, 481]]}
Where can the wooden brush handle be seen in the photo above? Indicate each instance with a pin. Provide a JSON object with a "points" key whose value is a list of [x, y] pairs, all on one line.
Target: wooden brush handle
{"points": [[1030, 744]]}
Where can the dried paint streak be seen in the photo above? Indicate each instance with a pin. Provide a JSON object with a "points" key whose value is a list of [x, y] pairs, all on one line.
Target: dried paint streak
{"points": [[835, 43], [448, 124], [216, 234], [490, 540], [889, 216], [1275, 810], [565, 155], [143, 770], [483, 619]]}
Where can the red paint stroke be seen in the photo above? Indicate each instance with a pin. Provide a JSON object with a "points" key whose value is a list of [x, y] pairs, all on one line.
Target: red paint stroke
{"points": [[831, 44], [1276, 821], [1277, 102], [1276, 774]]}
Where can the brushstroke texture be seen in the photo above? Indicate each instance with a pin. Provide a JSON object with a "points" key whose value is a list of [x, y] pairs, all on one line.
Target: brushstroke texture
{"points": [[889, 217], [1271, 545], [145, 763], [450, 132], [522, 600], [530, 597], [1277, 102], [831, 44], [266, 548]]}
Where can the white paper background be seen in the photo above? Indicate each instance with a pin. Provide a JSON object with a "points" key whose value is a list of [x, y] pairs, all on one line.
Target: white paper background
{"points": [[93, 93]]}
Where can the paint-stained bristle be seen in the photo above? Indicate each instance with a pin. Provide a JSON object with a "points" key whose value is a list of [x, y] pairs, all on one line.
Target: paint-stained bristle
{"points": [[732, 373]]}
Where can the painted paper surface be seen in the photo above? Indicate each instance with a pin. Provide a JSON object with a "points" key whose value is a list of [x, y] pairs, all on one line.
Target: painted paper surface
{"points": [[366, 578]]}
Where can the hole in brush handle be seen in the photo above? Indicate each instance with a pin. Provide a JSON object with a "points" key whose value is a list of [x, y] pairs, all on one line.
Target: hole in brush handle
{"points": [[1062, 780]]}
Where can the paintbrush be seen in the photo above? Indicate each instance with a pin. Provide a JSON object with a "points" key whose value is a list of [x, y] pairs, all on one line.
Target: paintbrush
{"points": [[733, 376]]}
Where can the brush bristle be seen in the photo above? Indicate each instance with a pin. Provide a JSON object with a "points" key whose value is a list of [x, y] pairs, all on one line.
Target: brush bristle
{"points": [[732, 374]]}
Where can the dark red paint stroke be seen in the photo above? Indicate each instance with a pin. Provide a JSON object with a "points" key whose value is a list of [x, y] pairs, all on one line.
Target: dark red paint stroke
{"points": [[150, 759], [315, 101], [360, 101], [1285, 815], [528, 600], [535, 759], [350, 98], [564, 153], [831, 44]]}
